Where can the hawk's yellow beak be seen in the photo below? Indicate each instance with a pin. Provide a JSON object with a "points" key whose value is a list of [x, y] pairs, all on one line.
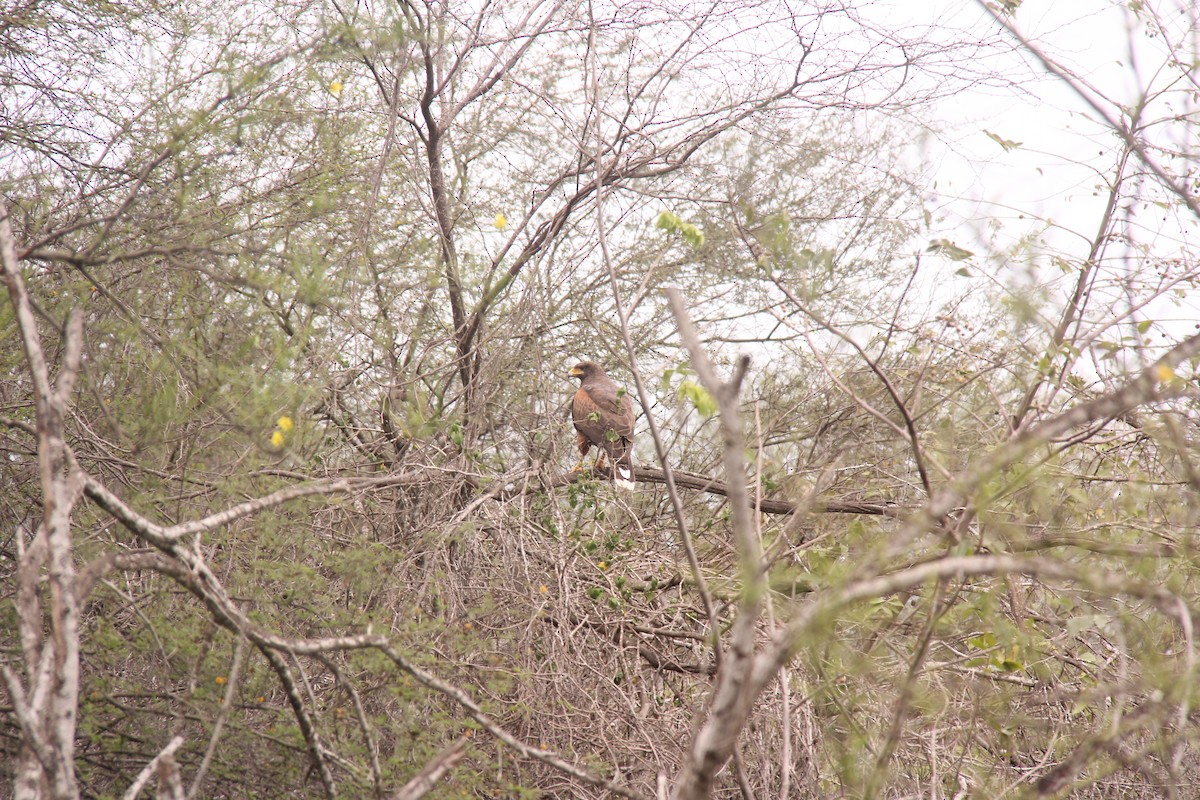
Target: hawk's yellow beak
{"points": [[575, 372]]}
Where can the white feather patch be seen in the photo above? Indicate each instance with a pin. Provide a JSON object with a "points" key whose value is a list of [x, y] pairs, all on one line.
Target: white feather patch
{"points": [[624, 479]]}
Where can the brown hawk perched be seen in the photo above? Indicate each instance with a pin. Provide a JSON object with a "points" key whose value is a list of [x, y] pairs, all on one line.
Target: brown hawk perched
{"points": [[603, 416]]}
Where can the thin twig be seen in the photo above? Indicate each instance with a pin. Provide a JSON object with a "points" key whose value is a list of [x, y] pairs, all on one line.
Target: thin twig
{"points": [[235, 671]]}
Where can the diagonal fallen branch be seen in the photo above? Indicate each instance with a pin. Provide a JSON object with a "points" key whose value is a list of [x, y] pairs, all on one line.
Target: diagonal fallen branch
{"points": [[165, 758], [426, 780]]}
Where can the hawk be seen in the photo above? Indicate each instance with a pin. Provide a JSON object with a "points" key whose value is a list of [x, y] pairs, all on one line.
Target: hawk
{"points": [[603, 416]]}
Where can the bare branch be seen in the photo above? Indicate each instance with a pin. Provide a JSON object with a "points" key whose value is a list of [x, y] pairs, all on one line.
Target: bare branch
{"points": [[54, 684], [162, 535], [364, 724], [1155, 382], [731, 697], [30, 726], [316, 751], [426, 780], [476, 713], [167, 753], [1079, 296], [909, 431], [788, 640], [30, 340]]}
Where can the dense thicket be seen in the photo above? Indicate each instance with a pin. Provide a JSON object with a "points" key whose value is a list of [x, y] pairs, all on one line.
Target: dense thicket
{"points": [[287, 499]]}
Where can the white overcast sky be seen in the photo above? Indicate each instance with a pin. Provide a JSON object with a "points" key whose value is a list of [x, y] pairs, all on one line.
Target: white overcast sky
{"points": [[1059, 171], [1053, 174]]}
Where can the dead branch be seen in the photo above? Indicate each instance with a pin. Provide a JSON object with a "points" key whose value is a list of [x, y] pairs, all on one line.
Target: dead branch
{"points": [[512, 486], [733, 695], [426, 780], [165, 757]]}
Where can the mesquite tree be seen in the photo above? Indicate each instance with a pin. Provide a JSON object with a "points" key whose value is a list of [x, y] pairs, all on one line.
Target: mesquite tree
{"points": [[288, 503]]}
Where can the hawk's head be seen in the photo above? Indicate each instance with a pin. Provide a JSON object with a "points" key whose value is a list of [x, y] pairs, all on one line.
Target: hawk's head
{"points": [[586, 370]]}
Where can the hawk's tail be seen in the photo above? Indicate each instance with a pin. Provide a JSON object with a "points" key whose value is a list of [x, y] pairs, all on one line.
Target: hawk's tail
{"points": [[623, 470]]}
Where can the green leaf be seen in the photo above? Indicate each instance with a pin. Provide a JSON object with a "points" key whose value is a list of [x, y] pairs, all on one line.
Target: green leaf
{"points": [[949, 249], [1007, 144], [1144, 325], [983, 641], [672, 223], [1111, 349], [691, 234], [699, 397], [775, 230]]}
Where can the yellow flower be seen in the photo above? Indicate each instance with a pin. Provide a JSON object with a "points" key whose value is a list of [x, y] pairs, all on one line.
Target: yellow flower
{"points": [[285, 423], [603, 565], [1164, 373], [335, 88], [501, 222], [543, 588], [277, 439], [221, 680]]}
